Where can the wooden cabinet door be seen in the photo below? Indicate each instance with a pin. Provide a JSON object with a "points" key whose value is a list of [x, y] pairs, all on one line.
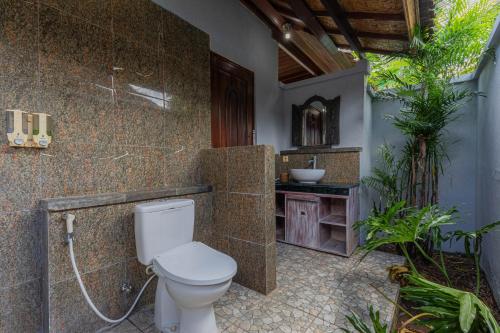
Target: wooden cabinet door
{"points": [[232, 88], [302, 220]]}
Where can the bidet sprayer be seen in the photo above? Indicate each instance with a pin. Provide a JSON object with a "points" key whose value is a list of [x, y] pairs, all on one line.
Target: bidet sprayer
{"points": [[70, 219]]}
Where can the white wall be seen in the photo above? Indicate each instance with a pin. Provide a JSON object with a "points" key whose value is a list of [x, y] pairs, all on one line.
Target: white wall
{"points": [[348, 84], [457, 187], [238, 35], [488, 166]]}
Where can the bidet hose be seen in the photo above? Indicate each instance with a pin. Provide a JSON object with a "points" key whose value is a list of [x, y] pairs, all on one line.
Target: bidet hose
{"points": [[86, 295]]}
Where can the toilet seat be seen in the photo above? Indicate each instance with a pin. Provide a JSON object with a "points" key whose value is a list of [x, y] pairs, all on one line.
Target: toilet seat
{"points": [[195, 264]]}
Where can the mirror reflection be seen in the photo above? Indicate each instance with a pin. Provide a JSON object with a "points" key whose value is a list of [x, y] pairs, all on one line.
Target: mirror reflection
{"points": [[316, 122]]}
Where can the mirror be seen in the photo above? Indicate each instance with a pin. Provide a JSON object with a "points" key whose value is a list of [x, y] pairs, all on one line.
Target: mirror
{"points": [[316, 122]]}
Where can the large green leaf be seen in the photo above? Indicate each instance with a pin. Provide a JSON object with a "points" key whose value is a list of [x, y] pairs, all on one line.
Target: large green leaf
{"points": [[467, 312]]}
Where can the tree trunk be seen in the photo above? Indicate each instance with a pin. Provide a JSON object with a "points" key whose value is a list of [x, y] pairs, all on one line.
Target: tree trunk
{"points": [[413, 177], [422, 166]]}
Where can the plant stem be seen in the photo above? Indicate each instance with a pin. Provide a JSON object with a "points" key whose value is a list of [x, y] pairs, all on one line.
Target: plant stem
{"points": [[443, 270], [407, 256], [477, 247], [392, 301], [441, 258], [478, 274]]}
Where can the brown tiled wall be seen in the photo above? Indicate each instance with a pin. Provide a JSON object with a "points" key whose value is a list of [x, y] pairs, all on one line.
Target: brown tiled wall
{"points": [[106, 257], [244, 204], [128, 87], [341, 167]]}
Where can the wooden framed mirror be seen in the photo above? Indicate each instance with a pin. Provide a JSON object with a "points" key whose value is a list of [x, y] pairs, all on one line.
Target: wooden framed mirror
{"points": [[316, 122]]}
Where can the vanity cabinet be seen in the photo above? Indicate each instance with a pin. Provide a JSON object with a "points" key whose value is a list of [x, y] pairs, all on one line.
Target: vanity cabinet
{"points": [[318, 221]]}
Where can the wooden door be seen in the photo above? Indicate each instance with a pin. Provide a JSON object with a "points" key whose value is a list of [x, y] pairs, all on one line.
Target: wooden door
{"points": [[232, 88], [302, 220]]}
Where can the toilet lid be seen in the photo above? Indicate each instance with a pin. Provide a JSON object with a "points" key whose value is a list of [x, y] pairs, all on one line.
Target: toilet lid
{"points": [[195, 264]]}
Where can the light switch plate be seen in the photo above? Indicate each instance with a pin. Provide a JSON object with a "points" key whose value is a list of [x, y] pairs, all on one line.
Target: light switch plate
{"points": [[285, 158]]}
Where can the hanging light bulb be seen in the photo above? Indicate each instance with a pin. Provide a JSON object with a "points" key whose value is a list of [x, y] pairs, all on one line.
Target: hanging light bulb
{"points": [[287, 31]]}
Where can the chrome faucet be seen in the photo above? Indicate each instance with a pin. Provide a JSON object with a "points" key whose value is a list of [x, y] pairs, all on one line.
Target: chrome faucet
{"points": [[312, 162]]}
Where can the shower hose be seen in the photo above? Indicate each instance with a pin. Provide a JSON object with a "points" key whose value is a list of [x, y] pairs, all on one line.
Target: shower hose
{"points": [[86, 295]]}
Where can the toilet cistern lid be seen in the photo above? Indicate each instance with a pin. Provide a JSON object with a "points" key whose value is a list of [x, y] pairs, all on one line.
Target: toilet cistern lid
{"points": [[196, 264]]}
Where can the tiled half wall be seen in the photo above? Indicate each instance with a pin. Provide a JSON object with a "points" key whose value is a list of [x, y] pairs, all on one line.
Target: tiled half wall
{"points": [[106, 256], [341, 167], [244, 208], [128, 87]]}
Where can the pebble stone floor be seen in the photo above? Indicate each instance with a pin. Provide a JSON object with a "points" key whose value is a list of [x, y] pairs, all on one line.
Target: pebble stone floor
{"points": [[315, 292]]}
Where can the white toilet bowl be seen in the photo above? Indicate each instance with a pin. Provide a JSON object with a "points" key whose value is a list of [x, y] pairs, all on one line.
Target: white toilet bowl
{"points": [[194, 276], [191, 275]]}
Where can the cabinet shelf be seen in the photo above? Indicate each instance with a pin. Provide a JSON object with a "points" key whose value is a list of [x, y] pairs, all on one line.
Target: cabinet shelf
{"points": [[338, 220], [333, 245], [320, 222]]}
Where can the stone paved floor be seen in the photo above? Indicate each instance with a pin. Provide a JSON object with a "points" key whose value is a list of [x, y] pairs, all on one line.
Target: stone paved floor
{"points": [[315, 292]]}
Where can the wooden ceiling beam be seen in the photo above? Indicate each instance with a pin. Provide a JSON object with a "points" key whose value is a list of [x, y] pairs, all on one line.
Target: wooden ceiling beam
{"points": [[289, 14], [412, 15], [367, 16], [267, 14], [304, 13], [371, 49], [372, 35], [338, 15]]}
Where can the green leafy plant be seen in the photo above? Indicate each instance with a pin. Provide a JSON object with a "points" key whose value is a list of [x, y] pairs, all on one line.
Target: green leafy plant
{"points": [[421, 80], [361, 327], [402, 226], [473, 240], [452, 310], [385, 179], [461, 30]]}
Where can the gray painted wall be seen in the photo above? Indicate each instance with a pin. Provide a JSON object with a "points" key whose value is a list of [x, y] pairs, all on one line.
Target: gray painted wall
{"points": [[458, 184], [348, 84], [488, 165], [238, 35]]}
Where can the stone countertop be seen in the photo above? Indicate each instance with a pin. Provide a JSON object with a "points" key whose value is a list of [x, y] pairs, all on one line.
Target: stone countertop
{"points": [[320, 150], [77, 202], [321, 188]]}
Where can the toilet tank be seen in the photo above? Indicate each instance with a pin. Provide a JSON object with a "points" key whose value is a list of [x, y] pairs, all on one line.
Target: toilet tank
{"points": [[161, 226]]}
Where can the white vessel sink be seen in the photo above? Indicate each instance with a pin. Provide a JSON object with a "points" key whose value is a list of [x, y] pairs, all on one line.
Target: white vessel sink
{"points": [[308, 176]]}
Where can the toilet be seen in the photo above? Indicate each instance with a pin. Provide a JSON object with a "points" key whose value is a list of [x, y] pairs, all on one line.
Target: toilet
{"points": [[191, 275]]}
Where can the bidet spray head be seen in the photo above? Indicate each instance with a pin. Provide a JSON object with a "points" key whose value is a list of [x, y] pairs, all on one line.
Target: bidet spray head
{"points": [[70, 219]]}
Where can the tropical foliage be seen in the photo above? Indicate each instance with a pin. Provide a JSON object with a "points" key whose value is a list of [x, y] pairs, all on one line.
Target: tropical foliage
{"points": [[473, 240], [421, 80], [403, 227], [385, 179], [451, 310], [457, 41], [360, 326]]}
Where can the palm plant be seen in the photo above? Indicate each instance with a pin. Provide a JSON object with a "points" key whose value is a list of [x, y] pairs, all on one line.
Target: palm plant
{"points": [[423, 85], [461, 30], [473, 240], [385, 179]]}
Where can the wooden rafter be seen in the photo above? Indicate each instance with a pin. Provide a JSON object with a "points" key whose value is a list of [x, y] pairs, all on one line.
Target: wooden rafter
{"points": [[412, 15], [373, 35], [275, 22], [311, 22], [289, 13], [338, 15]]}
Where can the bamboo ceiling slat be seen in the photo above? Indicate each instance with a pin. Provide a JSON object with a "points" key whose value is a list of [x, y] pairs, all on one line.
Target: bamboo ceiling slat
{"points": [[374, 6], [382, 44], [390, 27]]}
